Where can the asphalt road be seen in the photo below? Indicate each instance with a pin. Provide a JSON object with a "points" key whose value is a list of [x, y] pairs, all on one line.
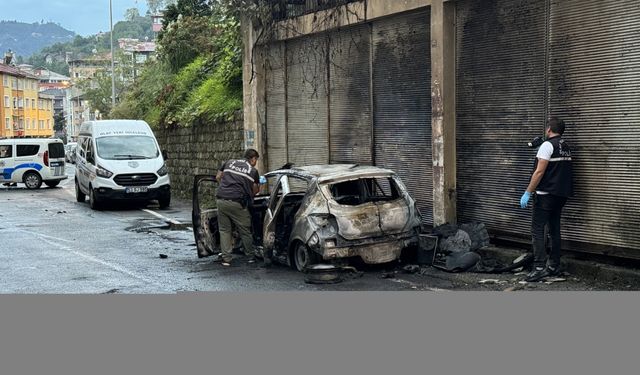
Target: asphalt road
{"points": [[49, 243]]}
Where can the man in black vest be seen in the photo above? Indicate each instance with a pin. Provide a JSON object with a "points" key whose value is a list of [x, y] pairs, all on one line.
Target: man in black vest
{"points": [[552, 182], [239, 183]]}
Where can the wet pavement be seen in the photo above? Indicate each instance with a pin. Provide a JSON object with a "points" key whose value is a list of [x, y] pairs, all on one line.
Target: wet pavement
{"points": [[49, 243]]}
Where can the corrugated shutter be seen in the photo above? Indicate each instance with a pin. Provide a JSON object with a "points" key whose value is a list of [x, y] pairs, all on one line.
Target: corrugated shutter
{"points": [[276, 137], [595, 86], [402, 103], [350, 95], [307, 111], [500, 107]]}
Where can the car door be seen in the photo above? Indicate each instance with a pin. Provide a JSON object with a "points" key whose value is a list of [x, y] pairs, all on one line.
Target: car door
{"points": [[276, 203], [7, 161], [28, 156]]}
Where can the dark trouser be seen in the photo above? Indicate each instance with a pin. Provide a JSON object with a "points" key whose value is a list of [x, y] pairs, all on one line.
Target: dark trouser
{"points": [[547, 210], [232, 214]]}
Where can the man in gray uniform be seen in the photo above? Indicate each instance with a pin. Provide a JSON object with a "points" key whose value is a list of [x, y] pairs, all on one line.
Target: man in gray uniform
{"points": [[239, 183]]}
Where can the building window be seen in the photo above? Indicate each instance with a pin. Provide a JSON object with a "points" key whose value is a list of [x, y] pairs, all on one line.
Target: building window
{"points": [[40, 104], [7, 102], [33, 104], [41, 123], [14, 83], [28, 124], [15, 102], [5, 80], [7, 123], [20, 103]]}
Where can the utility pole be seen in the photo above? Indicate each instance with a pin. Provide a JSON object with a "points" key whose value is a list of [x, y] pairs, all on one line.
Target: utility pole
{"points": [[113, 70]]}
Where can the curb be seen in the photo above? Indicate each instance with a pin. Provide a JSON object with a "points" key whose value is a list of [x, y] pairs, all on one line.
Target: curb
{"points": [[586, 270]]}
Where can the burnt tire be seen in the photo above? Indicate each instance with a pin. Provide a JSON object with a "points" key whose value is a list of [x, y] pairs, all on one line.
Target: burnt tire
{"points": [[80, 196], [32, 180], [304, 257], [52, 184], [94, 203]]}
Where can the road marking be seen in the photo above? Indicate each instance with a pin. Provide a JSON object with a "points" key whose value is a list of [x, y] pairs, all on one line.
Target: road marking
{"points": [[115, 267], [167, 219]]}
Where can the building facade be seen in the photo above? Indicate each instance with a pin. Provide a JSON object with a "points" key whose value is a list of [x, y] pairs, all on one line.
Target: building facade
{"points": [[24, 112], [448, 93]]}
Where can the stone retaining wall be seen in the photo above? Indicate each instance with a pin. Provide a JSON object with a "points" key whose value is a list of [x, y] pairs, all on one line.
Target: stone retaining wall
{"points": [[199, 149]]}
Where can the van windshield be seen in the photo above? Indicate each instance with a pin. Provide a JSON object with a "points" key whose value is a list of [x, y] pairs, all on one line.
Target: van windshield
{"points": [[127, 147]]}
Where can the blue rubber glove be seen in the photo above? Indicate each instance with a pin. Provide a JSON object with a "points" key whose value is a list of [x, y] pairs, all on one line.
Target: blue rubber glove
{"points": [[263, 180], [525, 199]]}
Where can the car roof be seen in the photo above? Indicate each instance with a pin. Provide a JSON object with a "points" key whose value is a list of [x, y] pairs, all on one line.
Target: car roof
{"points": [[334, 172], [31, 140]]}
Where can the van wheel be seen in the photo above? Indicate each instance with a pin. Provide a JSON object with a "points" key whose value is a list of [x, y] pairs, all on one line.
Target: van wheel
{"points": [[51, 184], [304, 257], [93, 201], [164, 202], [32, 180], [80, 197]]}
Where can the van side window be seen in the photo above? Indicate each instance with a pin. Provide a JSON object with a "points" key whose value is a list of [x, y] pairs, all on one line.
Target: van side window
{"points": [[6, 151], [82, 145], [27, 150], [90, 155]]}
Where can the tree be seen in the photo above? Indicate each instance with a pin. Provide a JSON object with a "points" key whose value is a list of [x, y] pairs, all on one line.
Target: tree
{"points": [[131, 14], [97, 91], [157, 5], [187, 39], [59, 122]]}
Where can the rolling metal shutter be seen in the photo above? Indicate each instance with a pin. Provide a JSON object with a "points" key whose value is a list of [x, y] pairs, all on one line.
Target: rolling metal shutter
{"points": [[350, 96], [402, 103], [594, 86], [276, 135], [500, 106], [307, 99]]}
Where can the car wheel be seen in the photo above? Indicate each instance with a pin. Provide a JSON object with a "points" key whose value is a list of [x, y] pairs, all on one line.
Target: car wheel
{"points": [[93, 201], [164, 202], [51, 184], [304, 257], [32, 180], [80, 196]]}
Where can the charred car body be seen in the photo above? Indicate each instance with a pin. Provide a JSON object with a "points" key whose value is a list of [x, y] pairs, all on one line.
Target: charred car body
{"points": [[323, 213]]}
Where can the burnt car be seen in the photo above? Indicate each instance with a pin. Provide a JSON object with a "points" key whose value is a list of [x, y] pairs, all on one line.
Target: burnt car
{"points": [[323, 213]]}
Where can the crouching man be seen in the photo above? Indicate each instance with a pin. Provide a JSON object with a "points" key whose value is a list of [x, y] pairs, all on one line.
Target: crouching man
{"points": [[239, 182]]}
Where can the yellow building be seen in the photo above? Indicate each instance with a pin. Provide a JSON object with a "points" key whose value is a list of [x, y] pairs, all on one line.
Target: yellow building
{"points": [[23, 111]]}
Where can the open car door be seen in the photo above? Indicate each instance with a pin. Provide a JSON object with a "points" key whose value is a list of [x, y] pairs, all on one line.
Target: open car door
{"points": [[204, 216], [276, 202]]}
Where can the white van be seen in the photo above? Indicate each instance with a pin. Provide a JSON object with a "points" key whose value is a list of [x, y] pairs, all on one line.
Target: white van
{"points": [[120, 160], [32, 161]]}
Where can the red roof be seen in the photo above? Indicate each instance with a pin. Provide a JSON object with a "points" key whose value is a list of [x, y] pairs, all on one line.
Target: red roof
{"points": [[8, 69]]}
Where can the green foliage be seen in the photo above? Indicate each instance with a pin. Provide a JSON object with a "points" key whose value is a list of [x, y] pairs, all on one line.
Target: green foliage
{"points": [[59, 122], [198, 76], [80, 47], [185, 40]]}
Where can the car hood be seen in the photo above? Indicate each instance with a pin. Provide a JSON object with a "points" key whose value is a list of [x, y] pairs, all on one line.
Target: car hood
{"points": [[132, 166]]}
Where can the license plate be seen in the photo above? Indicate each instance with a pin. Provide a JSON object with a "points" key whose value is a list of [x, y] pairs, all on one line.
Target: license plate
{"points": [[58, 171], [137, 189]]}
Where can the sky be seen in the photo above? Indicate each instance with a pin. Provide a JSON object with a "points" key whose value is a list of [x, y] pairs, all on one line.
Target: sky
{"points": [[84, 17]]}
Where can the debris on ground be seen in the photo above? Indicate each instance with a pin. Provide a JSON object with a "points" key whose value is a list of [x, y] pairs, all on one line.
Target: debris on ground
{"points": [[554, 280], [388, 275], [458, 243], [411, 268], [490, 281], [163, 256]]}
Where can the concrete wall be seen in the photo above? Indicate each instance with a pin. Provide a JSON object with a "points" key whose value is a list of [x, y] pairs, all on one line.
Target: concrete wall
{"points": [[199, 149]]}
